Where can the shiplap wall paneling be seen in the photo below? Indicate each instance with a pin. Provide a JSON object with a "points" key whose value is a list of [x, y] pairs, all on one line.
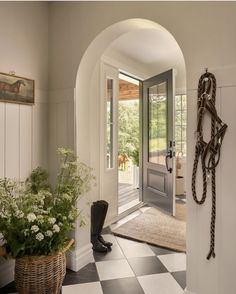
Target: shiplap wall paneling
{"points": [[12, 143], [62, 121], [40, 135], [25, 141], [52, 142], [70, 125], [2, 139]]}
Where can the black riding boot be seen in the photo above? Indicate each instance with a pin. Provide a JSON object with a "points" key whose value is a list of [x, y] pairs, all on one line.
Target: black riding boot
{"points": [[103, 217], [96, 215]]}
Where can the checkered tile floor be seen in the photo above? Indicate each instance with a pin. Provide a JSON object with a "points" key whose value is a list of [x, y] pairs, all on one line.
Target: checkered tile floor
{"points": [[130, 268]]}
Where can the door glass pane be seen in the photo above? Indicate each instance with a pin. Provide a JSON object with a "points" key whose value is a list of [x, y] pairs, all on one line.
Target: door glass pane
{"points": [[109, 124], [157, 122]]}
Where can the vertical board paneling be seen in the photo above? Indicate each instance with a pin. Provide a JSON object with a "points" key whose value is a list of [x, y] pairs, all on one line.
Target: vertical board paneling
{"points": [[227, 237], [40, 135], [70, 124], [2, 139], [12, 141], [53, 142], [25, 141], [62, 133]]}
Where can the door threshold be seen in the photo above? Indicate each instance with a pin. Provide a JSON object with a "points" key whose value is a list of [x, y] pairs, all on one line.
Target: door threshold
{"points": [[129, 211], [127, 206]]}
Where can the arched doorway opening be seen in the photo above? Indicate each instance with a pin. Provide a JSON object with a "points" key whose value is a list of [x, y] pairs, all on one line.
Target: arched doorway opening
{"points": [[88, 108]]}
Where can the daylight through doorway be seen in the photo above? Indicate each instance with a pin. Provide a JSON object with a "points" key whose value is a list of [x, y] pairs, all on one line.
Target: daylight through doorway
{"points": [[128, 142]]}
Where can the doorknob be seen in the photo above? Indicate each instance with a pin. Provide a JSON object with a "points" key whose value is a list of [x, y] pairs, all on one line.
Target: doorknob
{"points": [[168, 155]]}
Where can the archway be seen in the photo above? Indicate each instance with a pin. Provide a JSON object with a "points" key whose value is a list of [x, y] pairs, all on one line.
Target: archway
{"points": [[83, 103]]}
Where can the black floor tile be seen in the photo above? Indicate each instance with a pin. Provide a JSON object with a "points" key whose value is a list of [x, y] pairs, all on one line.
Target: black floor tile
{"points": [[10, 288], [146, 265], [87, 274], [115, 253], [122, 286], [161, 251], [180, 277]]}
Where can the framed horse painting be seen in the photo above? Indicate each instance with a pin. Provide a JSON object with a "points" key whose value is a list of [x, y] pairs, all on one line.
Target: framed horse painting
{"points": [[16, 89]]}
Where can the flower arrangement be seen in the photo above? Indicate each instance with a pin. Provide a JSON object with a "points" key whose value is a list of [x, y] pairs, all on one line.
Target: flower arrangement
{"points": [[35, 219]]}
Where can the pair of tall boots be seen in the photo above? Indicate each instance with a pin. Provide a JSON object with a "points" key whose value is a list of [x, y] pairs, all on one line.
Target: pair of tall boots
{"points": [[98, 215]]}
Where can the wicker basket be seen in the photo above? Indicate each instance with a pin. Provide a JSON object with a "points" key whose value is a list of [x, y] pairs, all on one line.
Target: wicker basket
{"points": [[41, 274]]}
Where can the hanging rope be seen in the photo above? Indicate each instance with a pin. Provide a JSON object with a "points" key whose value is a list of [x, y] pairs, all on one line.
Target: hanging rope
{"points": [[208, 153]]}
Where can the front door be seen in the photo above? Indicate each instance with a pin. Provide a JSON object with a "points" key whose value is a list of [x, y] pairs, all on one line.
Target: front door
{"points": [[158, 141]]}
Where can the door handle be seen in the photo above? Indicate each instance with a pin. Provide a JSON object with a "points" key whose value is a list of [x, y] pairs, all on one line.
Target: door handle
{"points": [[168, 155]]}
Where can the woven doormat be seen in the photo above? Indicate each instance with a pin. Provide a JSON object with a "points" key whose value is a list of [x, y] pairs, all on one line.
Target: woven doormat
{"points": [[158, 228]]}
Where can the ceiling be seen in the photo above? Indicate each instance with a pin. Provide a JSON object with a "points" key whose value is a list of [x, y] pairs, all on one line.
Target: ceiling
{"points": [[152, 51]]}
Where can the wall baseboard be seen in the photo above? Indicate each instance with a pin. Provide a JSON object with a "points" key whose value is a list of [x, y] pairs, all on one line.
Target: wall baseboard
{"points": [[7, 272], [78, 258], [188, 292]]}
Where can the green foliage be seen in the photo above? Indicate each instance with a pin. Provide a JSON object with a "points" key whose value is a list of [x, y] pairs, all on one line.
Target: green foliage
{"points": [[129, 129], [36, 219]]}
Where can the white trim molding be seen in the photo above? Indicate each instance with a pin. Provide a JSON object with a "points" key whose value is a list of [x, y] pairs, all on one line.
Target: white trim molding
{"points": [[7, 271], [188, 292], [78, 258]]}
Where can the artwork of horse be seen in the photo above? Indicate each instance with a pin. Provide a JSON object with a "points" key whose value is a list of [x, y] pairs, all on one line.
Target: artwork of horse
{"points": [[12, 88], [15, 89]]}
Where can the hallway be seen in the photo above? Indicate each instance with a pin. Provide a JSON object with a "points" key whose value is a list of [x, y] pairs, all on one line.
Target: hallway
{"points": [[130, 268]]}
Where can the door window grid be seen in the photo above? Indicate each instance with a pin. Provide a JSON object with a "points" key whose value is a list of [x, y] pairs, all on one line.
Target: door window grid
{"points": [[180, 123]]}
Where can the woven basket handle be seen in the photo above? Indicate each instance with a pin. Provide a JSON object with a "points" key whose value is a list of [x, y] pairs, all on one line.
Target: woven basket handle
{"points": [[68, 245]]}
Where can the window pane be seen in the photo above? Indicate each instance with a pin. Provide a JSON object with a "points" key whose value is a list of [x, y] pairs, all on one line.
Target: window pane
{"points": [[109, 128], [178, 102], [180, 123], [157, 124], [178, 117]]}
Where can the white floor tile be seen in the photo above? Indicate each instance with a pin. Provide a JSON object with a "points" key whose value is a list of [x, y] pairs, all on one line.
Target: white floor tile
{"points": [[134, 249], [160, 283], [174, 262], [90, 288], [110, 238], [114, 269]]}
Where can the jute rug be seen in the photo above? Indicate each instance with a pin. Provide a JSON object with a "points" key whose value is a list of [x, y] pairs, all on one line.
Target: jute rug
{"points": [[158, 228]]}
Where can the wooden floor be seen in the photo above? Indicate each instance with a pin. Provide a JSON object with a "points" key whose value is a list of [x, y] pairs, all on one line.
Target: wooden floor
{"points": [[127, 194]]}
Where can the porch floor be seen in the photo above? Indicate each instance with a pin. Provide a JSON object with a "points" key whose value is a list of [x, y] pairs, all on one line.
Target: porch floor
{"points": [[127, 193]]}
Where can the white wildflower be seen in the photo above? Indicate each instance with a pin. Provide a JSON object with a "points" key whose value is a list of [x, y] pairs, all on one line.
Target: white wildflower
{"points": [[39, 236], [31, 217], [66, 196], [51, 220], [49, 233], [35, 229], [64, 218], [56, 228], [70, 216], [40, 219], [2, 215], [64, 165], [19, 214], [26, 232]]}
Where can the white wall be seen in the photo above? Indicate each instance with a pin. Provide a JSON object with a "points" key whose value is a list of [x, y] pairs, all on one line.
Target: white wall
{"points": [[23, 128], [61, 127], [205, 32]]}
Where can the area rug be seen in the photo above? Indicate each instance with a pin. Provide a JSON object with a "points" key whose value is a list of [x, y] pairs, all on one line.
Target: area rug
{"points": [[156, 227]]}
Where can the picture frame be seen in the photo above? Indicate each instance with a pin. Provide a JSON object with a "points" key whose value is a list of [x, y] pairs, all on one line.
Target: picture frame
{"points": [[16, 89]]}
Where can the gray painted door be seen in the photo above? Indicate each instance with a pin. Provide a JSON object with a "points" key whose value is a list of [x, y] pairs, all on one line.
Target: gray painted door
{"points": [[158, 141]]}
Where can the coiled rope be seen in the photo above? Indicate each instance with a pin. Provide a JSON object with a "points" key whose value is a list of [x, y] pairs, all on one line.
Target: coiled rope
{"points": [[208, 153]]}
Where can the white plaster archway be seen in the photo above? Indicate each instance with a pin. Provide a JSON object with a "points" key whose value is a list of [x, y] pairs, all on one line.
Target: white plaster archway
{"points": [[83, 146]]}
